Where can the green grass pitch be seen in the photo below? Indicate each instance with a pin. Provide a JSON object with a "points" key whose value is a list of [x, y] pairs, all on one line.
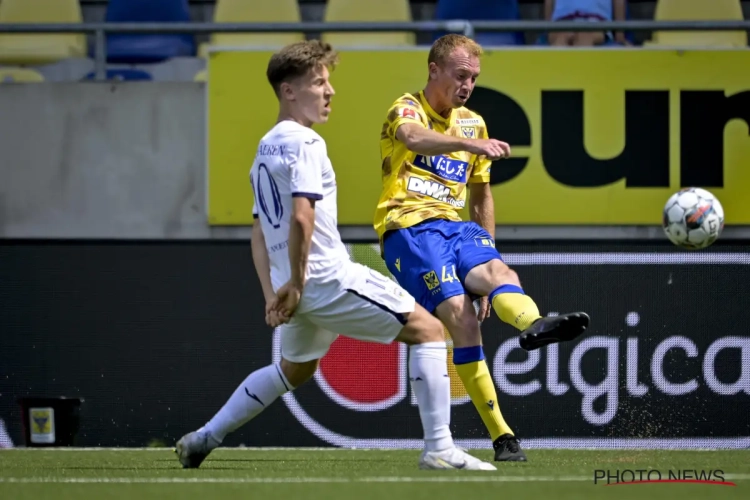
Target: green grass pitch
{"points": [[338, 474]]}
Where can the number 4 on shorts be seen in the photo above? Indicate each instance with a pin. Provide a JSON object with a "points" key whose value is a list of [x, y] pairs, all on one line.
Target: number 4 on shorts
{"points": [[447, 276]]}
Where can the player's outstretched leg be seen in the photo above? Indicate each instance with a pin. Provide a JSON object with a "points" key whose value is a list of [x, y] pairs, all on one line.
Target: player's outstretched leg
{"points": [[254, 394], [431, 386], [514, 307]]}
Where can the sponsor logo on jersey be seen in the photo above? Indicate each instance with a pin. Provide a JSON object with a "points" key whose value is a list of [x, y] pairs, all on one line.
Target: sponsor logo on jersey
{"points": [[468, 121], [434, 190], [429, 188], [408, 113], [444, 167]]}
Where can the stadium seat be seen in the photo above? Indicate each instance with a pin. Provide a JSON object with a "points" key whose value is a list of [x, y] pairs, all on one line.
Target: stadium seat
{"points": [[151, 48], [482, 10], [123, 75], [33, 49], [244, 11], [375, 10], [20, 75], [699, 10]]}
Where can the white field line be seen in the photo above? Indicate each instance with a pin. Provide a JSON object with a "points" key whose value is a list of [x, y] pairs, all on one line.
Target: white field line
{"points": [[280, 480], [170, 449], [573, 444]]}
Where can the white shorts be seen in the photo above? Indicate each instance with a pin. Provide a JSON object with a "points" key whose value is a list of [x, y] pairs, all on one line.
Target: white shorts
{"points": [[361, 304]]}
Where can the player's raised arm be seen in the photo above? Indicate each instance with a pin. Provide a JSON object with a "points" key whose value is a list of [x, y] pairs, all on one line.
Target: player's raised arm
{"points": [[424, 141], [407, 123]]}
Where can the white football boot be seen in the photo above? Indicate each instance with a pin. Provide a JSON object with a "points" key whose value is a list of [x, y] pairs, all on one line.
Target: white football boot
{"points": [[194, 447], [452, 458]]}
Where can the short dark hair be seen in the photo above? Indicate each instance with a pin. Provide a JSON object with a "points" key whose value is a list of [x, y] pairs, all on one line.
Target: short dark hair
{"points": [[294, 60], [445, 45]]}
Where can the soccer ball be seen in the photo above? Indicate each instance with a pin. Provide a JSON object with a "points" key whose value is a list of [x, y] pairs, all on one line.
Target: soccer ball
{"points": [[693, 218]]}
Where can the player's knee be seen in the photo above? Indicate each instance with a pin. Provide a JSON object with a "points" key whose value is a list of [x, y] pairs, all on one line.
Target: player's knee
{"points": [[451, 311], [502, 274], [298, 373], [466, 332], [421, 327], [458, 315]]}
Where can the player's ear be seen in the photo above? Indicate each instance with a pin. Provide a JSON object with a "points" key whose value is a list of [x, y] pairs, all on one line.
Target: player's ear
{"points": [[432, 70], [286, 91]]}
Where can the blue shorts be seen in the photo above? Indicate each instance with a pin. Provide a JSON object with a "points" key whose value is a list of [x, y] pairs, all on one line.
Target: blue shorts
{"points": [[431, 259]]}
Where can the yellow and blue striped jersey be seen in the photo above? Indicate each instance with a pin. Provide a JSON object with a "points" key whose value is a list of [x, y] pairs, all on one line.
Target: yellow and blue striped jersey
{"points": [[418, 187]]}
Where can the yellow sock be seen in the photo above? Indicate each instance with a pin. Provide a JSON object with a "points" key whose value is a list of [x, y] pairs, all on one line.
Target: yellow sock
{"points": [[478, 383], [514, 307]]}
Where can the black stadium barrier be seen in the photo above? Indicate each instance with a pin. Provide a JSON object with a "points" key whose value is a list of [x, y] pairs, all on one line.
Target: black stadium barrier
{"points": [[154, 336]]}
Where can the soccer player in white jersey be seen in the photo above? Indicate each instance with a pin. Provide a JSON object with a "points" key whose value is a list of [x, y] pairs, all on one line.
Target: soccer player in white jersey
{"points": [[311, 287]]}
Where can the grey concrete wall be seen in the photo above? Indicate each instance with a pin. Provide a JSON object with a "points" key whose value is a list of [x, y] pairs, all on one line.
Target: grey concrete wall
{"points": [[86, 160]]}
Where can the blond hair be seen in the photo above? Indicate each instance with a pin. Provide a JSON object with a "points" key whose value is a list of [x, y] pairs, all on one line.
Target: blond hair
{"points": [[445, 45], [295, 60]]}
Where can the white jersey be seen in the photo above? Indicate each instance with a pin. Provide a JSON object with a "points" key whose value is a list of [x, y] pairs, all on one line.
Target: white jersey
{"points": [[292, 161]]}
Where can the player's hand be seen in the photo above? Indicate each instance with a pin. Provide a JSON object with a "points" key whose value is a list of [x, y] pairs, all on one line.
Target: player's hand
{"points": [[484, 309], [491, 148], [273, 318], [287, 300]]}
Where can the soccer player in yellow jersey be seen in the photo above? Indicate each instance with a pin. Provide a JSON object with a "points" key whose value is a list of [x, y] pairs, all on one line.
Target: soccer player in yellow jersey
{"points": [[432, 147]]}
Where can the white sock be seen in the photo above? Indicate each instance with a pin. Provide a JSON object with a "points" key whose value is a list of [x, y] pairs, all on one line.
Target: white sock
{"points": [[428, 373], [255, 394]]}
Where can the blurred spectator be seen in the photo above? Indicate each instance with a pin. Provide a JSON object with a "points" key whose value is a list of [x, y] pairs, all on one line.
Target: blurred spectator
{"points": [[585, 11], [482, 10], [5, 441]]}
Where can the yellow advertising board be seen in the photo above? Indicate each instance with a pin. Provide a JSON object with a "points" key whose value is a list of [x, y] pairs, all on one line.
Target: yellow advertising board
{"points": [[598, 136]]}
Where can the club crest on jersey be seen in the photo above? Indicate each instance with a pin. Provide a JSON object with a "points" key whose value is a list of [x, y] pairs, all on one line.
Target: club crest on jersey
{"points": [[408, 113], [444, 167], [469, 132], [431, 280]]}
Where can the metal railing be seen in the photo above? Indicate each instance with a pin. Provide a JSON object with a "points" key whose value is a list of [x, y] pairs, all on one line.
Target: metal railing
{"points": [[468, 28]]}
